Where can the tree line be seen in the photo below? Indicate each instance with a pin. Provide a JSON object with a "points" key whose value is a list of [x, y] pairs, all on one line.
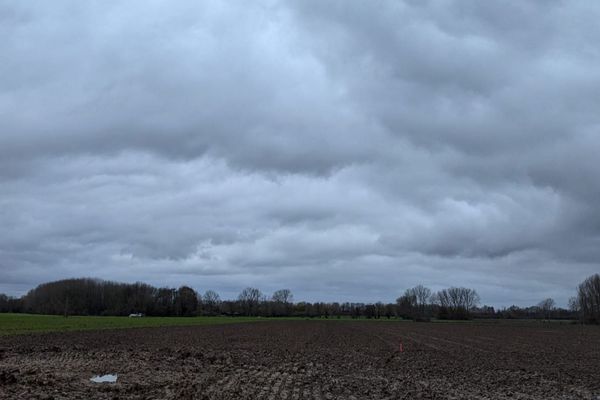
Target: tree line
{"points": [[87, 296]]}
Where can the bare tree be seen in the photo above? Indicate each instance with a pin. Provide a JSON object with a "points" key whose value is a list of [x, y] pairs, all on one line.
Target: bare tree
{"points": [[574, 304], [250, 299], [283, 296], [281, 303], [588, 297], [414, 302], [545, 307], [422, 293], [456, 302], [407, 304], [422, 296], [211, 302]]}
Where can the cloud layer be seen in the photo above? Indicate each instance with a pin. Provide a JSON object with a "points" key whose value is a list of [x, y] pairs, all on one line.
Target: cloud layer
{"points": [[344, 150]]}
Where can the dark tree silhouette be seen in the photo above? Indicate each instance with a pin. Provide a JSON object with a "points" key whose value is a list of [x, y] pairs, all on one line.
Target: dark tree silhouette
{"points": [[282, 301], [186, 301], [456, 303], [87, 296], [588, 299], [250, 299], [211, 302]]}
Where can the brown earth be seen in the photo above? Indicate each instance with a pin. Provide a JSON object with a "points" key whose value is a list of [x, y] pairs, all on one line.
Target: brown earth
{"points": [[308, 360]]}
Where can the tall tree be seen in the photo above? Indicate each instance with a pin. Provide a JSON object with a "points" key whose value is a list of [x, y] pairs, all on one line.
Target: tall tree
{"points": [[545, 307], [588, 297], [282, 301], [422, 294], [249, 300], [186, 302], [211, 302], [456, 303], [407, 304]]}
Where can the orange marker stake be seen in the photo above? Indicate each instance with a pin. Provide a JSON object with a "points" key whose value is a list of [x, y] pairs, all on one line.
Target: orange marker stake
{"points": [[401, 348]]}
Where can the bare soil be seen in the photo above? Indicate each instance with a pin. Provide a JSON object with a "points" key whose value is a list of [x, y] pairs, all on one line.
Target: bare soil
{"points": [[308, 360]]}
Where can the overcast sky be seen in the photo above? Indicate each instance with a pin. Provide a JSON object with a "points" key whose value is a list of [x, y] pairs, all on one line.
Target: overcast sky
{"points": [[346, 150]]}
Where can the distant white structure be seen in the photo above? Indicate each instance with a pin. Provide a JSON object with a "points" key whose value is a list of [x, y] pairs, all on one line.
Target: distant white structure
{"points": [[137, 315]]}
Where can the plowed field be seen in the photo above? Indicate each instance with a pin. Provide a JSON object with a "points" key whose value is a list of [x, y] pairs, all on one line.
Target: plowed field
{"points": [[308, 360]]}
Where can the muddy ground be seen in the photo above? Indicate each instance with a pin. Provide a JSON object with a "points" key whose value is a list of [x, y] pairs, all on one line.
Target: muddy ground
{"points": [[308, 360]]}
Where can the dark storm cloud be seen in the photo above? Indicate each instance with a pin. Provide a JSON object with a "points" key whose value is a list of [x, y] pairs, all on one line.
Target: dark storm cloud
{"points": [[343, 149]]}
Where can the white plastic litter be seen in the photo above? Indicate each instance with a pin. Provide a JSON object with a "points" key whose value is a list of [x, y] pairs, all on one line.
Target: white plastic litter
{"points": [[104, 378]]}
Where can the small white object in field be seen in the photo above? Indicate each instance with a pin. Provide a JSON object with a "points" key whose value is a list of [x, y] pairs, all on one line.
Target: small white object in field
{"points": [[104, 378]]}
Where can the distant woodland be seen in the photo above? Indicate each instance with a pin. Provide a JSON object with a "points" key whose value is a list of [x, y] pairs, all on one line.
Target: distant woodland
{"points": [[87, 296]]}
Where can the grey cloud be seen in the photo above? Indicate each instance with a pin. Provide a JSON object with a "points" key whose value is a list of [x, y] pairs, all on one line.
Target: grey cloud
{"points": [[178, 86], [344, 150]]}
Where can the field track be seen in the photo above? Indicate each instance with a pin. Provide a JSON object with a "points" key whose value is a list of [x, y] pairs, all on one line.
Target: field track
{"points": [[308, 360]]}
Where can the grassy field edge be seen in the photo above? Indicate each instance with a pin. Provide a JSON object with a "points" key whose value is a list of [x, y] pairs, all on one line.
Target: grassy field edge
{"points": [[14, 324]]}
